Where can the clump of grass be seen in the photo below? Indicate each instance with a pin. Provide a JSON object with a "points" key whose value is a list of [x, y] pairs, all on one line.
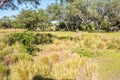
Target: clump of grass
{"points": [[21, 71], [57, 66], [2, 45], [67, 68], [89, 44], [21, 56], [3, 71], [5, 51], [101, 45], [54, 47], [26, 70], [42, 66]]}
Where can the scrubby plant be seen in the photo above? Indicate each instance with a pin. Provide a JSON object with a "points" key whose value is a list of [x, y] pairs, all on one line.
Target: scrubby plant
{"points": [[26, 39], [29, 40], [43, 38]]}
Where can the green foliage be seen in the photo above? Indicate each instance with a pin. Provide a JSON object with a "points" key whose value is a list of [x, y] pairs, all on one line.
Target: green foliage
{"points": [[43, 38], [26, 39], [31, 19], [30, 39]]}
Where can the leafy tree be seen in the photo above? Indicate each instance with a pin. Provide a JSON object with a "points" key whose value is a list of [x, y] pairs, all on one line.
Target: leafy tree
{"points": [[42, 19], [5, 22], [92, 12], [28, 19], [32, 19]]}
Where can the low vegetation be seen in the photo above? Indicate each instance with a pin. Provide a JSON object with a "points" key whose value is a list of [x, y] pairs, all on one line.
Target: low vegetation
{"points": [[56, 57]]}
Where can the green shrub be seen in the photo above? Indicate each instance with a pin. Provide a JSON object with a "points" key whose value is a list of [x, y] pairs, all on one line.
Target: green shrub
{"points": [[29, 40], [43, 38], [25, 38]]}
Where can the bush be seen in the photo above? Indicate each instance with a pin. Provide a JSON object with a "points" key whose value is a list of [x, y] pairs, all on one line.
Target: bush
{"points": [[29, 40], [43, 38], [25, 38]]}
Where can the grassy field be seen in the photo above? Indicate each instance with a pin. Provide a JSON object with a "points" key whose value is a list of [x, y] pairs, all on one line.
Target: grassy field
{"points": [[93, 49], [109, 65], [107, 60]]}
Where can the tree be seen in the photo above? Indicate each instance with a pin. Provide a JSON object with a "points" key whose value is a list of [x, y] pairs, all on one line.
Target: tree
{"points": [[32, 19], [92, 13], [5, 22], [13, 4], [54, 11], [28, 18], [42, 19]]}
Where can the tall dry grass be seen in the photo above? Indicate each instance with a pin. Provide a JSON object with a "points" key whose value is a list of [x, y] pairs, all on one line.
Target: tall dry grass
{"points": [[57, 66]]}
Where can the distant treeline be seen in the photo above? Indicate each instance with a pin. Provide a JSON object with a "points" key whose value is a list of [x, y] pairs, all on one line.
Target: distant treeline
{"points": [[71, 15]]}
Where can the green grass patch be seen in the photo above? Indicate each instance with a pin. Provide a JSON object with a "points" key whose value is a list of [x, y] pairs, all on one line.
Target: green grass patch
{"points": [[84, 52]]}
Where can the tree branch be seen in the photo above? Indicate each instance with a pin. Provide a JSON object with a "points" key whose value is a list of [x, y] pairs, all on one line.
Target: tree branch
{"points": [[3, 2]]}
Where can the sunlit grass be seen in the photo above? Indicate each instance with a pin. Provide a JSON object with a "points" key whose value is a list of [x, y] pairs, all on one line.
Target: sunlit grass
{"points": [[62, 34], [109, 67], [57, 66], [54, 59]]}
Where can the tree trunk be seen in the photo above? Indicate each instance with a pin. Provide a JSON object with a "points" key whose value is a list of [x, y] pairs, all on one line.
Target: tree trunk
{"points": [[100, 21], [87, 24], [66, 26]]}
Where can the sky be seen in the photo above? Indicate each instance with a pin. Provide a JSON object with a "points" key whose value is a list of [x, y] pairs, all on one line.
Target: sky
{"points": [[43, 4]]}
